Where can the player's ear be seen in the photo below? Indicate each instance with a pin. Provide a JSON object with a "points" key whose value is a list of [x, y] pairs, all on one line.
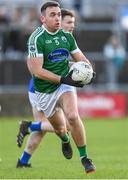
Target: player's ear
{"points": [[42, 19]]}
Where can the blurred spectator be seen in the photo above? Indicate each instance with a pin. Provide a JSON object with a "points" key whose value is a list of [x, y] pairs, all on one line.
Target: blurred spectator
{"points": [[124, 17], [18, 19], [13, 41], [78, 5], [4, 19], [115, 55], [23, 22], [31, 24], [32, 19], [4, 22]]}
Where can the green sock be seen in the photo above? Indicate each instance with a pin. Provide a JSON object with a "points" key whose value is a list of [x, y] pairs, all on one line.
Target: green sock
{"points": [[82, 151], [65, 138]]}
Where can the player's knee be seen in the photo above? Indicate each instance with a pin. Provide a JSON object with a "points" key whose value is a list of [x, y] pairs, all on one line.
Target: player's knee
{"points": [[68, 127], [73, 118], [61, 131]]}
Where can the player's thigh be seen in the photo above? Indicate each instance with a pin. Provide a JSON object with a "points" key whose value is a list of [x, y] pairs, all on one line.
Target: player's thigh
{"points": [[58, 120], [68, 102], [38, 115]]}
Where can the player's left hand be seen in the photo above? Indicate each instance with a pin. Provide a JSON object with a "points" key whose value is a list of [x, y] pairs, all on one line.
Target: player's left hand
{"points": [[68, 80]]}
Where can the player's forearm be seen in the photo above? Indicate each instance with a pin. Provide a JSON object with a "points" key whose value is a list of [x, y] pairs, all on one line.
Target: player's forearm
{"points": [[47, 75], [35, 67]]}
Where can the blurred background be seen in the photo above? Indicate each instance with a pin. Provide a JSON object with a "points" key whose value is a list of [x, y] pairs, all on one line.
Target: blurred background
{"points": [[101, 33]]}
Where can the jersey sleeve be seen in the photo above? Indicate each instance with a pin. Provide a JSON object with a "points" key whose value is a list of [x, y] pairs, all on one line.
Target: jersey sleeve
{"points": [[73, 45], [35, 48]]}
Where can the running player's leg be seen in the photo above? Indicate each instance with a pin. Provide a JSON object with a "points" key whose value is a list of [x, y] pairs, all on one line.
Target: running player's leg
{"points": [[35, 137], [58, 121], [68, 102]]}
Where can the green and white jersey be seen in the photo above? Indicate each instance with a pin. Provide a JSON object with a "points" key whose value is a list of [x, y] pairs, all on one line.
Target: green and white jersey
{"points": [[55, 49]]}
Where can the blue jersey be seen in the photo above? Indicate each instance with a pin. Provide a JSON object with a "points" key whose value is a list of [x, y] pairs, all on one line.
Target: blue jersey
{"points": [[31, 86]]}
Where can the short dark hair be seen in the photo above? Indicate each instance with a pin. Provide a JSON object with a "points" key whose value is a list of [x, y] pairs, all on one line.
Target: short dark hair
{"points": [[49, 4], [66, 12]]}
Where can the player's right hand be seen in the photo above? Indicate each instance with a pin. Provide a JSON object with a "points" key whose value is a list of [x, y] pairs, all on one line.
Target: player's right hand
{"points": [[69, 81]]}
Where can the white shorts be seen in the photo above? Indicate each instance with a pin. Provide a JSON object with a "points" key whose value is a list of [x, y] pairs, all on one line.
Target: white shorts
{"points": [[48, 102], [33, 100]]}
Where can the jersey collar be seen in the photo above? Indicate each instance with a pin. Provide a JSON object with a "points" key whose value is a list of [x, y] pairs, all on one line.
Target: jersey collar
{"points": [[49, 31]]}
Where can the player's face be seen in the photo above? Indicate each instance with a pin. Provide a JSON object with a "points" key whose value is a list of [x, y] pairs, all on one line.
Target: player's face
{"points": [[68, 23], [52, 18]]}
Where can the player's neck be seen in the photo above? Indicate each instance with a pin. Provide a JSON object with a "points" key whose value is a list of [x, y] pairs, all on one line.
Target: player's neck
{"points": [[50, 31]]}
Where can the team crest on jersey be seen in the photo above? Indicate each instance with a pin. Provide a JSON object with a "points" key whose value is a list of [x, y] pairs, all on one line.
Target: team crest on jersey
{"points": [[64, 38], [58, 55], [32, 48]]}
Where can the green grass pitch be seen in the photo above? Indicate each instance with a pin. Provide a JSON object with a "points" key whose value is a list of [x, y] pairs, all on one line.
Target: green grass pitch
{"points": [[107, 145]]}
